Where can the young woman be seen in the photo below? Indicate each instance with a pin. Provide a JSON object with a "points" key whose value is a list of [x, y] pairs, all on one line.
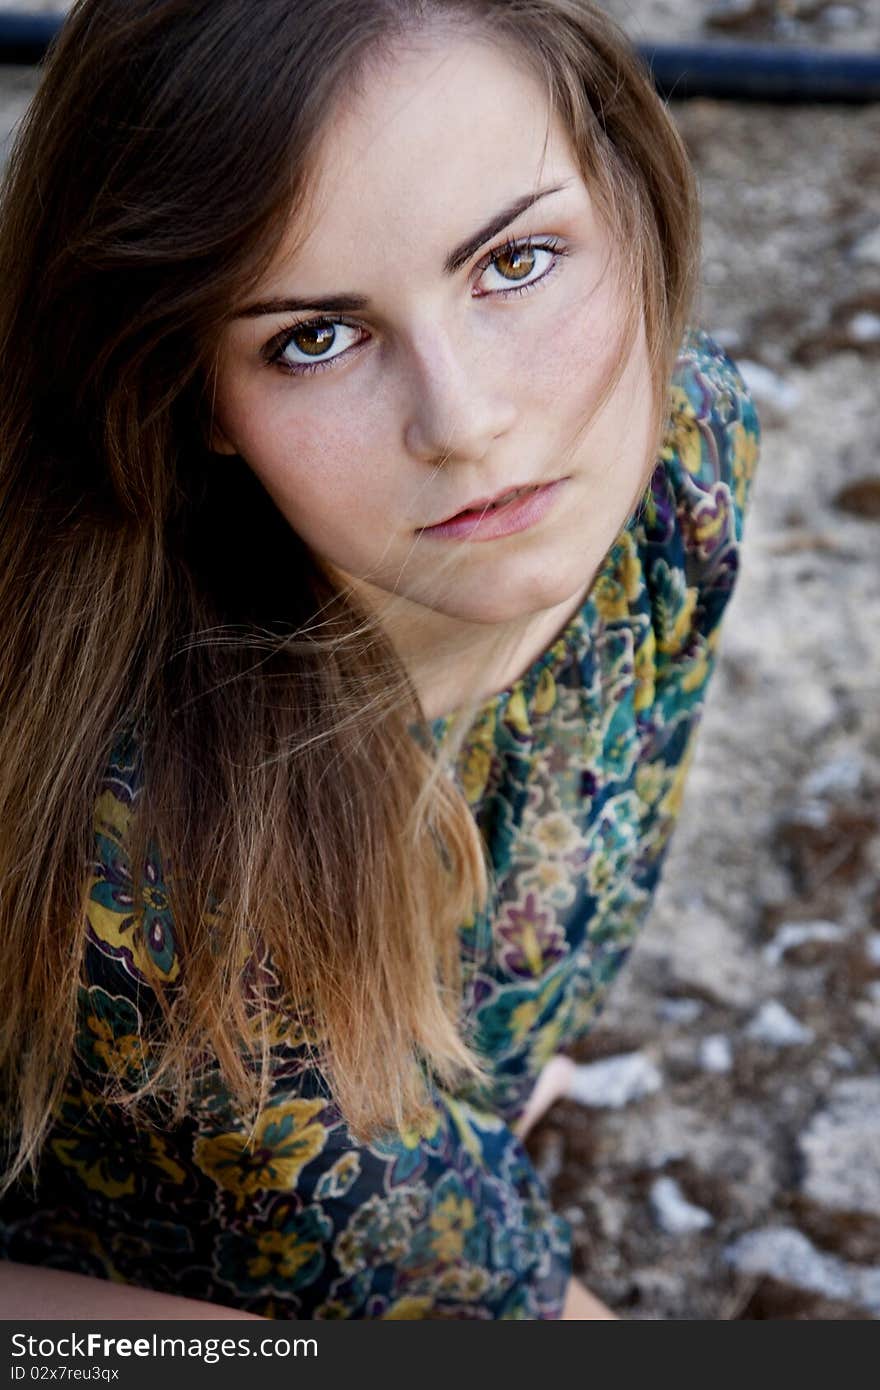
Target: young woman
{"points": [[334, 781]]}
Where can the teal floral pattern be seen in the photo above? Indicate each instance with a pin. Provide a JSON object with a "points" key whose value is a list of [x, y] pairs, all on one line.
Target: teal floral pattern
{"points": [[575, 777]]}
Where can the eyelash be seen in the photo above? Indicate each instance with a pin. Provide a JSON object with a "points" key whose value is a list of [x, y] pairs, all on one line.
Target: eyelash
{"points": [[274, 349]]}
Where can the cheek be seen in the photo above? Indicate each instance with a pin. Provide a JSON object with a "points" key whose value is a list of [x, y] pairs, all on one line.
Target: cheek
{"points": [[297, 451], [322, 468], [563, 359]]}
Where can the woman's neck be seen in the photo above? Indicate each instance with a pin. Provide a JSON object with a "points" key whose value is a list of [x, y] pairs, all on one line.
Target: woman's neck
{"points": [[450, 659]]}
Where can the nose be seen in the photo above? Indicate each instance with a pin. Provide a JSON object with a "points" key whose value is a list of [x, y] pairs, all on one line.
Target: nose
{"points": [[457, 408]]}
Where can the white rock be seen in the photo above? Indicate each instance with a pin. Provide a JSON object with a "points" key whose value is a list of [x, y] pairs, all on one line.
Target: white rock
{"points": [[796, 933], [775, 1025], [841, 1057], [700, 953], [788, 1256], [767, 386], [841, 1148], [715, 1053], [865, 327], [810, 812], [674, 1213], [840, 775], [872, 947], [841, 17], [679, 1010], [867, 1013], [867, 248], [615, 1081]]}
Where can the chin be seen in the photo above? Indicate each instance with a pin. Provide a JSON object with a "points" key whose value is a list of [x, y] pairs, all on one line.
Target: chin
{"points": [[509, 604]]}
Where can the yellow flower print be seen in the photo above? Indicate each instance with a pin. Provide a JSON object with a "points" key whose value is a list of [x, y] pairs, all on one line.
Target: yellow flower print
{"points": [[683, 436], [282, 1029], [709, 523], [110, 908], [463, 1282], [591, 744], [674, 637], [484, 729], [546, 875], [112, 817], [451, 1219], [110, 1162], [475, 773], [413, 1136], [698, 674], [545, 694], [516, 714], [601, 873], [671, 803], [745, 460], [280, 1254], [159, 1157], [408, 1309], [461, 1114], [347, 1167], [556, 834], [332, 1311], [651, 781], [645, 672], [117, 1054], [629, 567], [522, 1018], [615, 591], [545, 1043], [284, 1141]]}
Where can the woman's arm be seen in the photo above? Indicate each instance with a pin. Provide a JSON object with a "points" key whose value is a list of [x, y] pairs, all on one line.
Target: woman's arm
{"points": [[39, 1295], [581, 1306], [29, 1291]]}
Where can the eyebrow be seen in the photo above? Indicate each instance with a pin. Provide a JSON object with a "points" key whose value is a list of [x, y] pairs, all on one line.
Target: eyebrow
{"points": [[459, 256]]}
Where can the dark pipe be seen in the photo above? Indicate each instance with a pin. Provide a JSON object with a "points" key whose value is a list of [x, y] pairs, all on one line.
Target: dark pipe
{"points": [[761, 72], [727, 71], [24, 38]]}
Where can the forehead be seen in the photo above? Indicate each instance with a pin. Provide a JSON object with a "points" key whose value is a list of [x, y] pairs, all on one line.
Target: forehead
{"points": [[436, 136]]}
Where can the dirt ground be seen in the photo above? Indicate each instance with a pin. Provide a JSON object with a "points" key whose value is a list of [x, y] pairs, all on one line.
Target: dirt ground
{"points": [[735, 1171], [769, 1132]]}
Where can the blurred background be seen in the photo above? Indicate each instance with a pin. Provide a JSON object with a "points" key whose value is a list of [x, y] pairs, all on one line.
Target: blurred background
{"points": [[719, 1156]]}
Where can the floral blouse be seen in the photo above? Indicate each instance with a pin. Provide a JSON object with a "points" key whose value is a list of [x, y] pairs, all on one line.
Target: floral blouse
{"points": [[575, 777]]}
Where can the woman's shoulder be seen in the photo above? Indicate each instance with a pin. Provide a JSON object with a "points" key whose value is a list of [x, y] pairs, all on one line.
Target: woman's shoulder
{"points": [[712, 442], [688, 531]]}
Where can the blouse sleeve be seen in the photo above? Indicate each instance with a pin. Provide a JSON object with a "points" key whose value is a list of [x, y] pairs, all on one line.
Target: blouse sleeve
{"points": [[450, 1223], [692, 525], [688, 537]]}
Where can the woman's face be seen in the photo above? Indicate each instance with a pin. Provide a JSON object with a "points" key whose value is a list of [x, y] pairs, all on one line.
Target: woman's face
{"points": [[401, 358]]}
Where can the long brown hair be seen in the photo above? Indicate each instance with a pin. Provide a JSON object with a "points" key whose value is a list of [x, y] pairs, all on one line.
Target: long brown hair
{"points": [[145, 588]]}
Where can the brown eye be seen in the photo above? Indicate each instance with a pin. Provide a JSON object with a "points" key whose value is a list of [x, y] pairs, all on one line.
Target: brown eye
{"points": [[515, 263], [516, 266], [314, 338], [318, 343]]}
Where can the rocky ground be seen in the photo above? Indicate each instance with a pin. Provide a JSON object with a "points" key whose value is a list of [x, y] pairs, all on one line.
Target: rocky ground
{"points": [[727, 1164], [719, 1157]]}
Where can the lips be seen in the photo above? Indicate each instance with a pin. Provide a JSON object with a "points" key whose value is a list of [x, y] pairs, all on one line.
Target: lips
{"points": [[518, 513], [489, 504]]}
